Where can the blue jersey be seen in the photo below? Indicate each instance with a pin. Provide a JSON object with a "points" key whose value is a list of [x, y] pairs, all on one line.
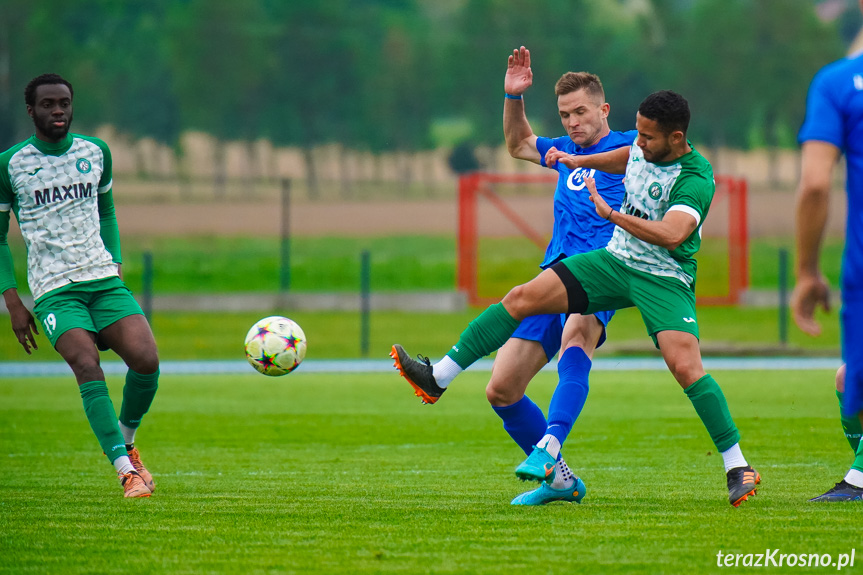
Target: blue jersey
{"points": [[834, 114], [577, 227]]}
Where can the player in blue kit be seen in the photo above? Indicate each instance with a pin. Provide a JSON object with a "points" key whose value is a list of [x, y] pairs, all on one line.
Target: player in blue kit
{"points": [[833, 126], [577, 228]]}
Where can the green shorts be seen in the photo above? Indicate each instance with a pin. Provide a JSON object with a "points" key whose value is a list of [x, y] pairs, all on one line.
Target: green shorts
{"points": [[91, 305], [665, 303]]}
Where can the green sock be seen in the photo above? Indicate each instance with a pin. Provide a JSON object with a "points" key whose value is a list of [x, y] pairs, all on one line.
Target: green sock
{"points": [[138, 394], [102, 417], [483, 335], [710, 405], [850, 425], [858, 459]]}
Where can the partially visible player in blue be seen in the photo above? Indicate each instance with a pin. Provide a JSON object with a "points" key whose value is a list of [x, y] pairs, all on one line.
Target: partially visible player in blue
{"points": [[833, 126], [577, 229]]}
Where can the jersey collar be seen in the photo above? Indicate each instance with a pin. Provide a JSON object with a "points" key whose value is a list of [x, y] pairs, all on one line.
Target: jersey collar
{"points": [[50, 149]]}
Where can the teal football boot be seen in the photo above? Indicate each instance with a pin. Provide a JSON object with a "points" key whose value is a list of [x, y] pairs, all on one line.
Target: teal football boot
{"points": [[545, 493], [539, 466]]}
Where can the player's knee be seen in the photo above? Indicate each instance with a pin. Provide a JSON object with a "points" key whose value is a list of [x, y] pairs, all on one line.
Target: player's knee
{"points": [[685, 371], [840, 379], [86, 368], [517, 302], [583, 341], [145, 361], [499, 395]]}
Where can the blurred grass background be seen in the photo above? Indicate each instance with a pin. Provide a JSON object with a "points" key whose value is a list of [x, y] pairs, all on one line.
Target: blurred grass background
{"points": [[220, 264], [208, 265]]}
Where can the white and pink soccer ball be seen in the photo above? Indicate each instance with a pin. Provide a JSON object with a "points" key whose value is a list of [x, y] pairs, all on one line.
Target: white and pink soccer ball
{"points": [[275, 345]]}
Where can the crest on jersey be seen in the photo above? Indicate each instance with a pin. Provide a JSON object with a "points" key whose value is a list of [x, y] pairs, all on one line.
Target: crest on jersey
{"points": [[576, 178], [83, 165], [654, 191]]}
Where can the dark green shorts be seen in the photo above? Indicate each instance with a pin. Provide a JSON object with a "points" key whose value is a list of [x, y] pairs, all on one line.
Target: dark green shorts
{"points": [[665, 303], [92, 305]]}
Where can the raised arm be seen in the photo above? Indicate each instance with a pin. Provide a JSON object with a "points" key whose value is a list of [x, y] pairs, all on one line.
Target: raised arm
{"points": [[520, 139], [611, 162], [813, 201]]}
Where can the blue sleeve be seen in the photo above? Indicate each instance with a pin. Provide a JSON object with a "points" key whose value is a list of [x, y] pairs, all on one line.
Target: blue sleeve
{"points": [[630, 136], [543, 145], [823, 120]]}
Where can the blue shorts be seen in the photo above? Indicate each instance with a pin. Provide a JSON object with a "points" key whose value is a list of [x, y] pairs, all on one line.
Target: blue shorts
{"points": [[852, 353], [548, 330]]}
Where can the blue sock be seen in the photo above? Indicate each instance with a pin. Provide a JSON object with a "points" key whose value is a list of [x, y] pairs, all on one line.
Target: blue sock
{"points": [[573, 369], [524, 422]]}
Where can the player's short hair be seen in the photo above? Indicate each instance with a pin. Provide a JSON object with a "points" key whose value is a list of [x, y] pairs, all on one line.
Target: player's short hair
{"points": [[43, 80], [574, 81], [668, 109]]}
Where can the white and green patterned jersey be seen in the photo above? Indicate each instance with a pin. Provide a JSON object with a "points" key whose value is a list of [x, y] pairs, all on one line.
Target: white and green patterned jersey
{"points": [[654, 189], [61, 195]]}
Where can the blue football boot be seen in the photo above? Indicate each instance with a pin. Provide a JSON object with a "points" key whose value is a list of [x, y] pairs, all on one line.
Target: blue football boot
{"points": [[539, 466], [545, 493], [842, 491]]}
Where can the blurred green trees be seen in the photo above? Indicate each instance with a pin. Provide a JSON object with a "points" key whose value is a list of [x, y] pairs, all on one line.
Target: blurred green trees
{"points": [[392, 74]]}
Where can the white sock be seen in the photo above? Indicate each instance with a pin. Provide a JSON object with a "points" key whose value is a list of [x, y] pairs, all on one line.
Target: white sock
{"points": [[563, 477], [123, 465], [733, 457], [445, 371], [128, 433], [854, 477], [550, 444]]}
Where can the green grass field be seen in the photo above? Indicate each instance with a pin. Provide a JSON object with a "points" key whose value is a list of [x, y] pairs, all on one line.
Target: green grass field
{"points": [[411, 263], [349, 473], [336, 335], [226, 265]]}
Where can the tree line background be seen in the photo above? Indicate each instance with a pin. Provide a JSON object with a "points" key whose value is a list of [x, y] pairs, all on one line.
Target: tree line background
{"points": [[410, 75]]}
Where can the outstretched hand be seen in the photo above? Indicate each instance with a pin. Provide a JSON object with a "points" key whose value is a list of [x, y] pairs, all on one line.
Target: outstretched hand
{"points": [[553, 156], [603, 210], [810, 293], [24, 327], [519, 76]]}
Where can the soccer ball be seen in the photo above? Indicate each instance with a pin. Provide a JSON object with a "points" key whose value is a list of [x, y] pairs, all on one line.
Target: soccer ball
{"points": [[275, 345]]}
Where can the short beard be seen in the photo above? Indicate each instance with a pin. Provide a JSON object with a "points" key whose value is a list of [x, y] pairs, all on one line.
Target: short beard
{"points": [[658, 157], [53, 132]]}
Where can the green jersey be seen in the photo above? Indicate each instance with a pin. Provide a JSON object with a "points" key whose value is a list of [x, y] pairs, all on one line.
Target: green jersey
{"points": [[652, 190], [61, 195]]}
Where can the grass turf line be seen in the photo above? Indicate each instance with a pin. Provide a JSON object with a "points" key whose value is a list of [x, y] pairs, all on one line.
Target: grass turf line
{"points": [[350, 474]]}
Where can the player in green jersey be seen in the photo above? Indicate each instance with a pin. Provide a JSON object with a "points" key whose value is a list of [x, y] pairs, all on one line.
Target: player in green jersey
{"points": [[649, 263], [59, 187]]}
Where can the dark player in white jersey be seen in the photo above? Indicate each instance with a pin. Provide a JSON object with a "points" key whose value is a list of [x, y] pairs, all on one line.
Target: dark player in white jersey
{"points": [[59, 186]]}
